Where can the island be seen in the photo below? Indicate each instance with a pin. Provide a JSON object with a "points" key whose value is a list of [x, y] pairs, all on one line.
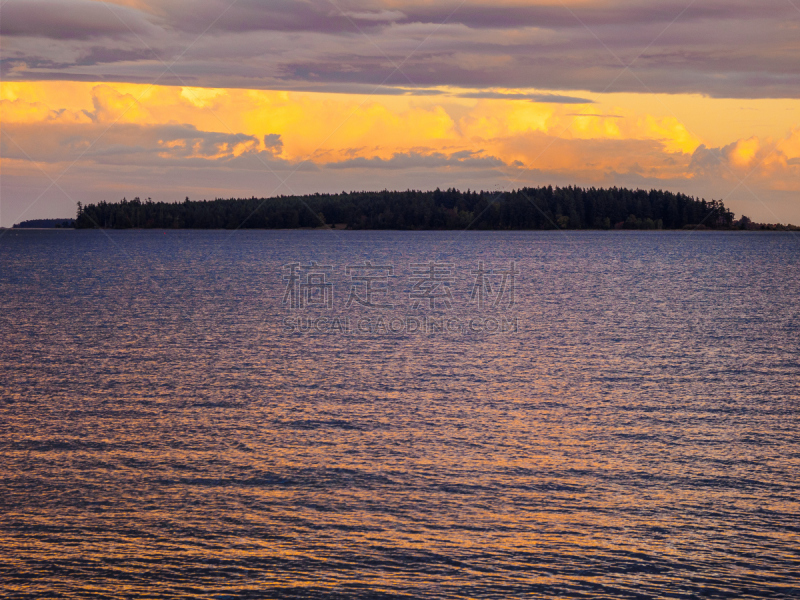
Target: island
{"points": [[539, 208]]}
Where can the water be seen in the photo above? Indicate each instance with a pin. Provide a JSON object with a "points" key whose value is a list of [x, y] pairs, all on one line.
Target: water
{"points": [[164, 433]]}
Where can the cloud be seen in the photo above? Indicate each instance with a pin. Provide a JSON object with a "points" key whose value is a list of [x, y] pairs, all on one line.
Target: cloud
{"points": [[126, 142], [342, 132], [773, 163], [544, 98], [596, 115], [220, 16], [381, 15], [69, 20], [273, 142], [420, 160], [721, 49], [322, 15]]}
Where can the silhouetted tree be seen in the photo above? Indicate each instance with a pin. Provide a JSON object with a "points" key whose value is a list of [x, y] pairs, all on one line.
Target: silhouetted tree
{"points": [[525, 208]]}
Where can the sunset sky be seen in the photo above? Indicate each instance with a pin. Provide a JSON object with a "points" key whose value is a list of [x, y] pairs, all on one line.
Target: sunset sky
{"points": [[232, 98]]}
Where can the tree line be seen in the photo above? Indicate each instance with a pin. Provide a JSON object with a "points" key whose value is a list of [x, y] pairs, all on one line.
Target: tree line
{"points": [[46, 224], [526, 208]]}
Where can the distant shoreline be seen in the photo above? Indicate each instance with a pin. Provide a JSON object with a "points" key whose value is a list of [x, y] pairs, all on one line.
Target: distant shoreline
{"points": [[782, 229], [64, 223], [526, 209]]}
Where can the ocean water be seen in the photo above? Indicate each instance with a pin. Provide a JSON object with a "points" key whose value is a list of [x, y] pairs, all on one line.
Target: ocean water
{"points": [[493, 415]]}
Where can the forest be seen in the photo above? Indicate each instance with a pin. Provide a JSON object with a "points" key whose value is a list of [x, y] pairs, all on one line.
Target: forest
{"points": [[523, 209]]}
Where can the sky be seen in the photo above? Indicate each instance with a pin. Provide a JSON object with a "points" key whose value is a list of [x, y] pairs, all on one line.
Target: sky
{"points": [[166, 99]]}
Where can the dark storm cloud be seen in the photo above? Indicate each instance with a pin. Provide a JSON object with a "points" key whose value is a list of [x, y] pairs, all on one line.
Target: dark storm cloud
{"points": [[725, 49]]}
